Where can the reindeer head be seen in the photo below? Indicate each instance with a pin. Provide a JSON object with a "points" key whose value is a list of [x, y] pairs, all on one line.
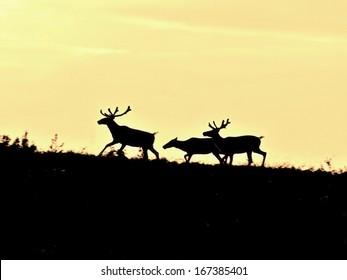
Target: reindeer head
{"points": [[171, 143], [111, 115], [215, 129]]}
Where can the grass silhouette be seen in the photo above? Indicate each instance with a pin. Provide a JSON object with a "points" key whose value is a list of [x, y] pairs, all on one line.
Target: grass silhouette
{"points": [[66, 205]]}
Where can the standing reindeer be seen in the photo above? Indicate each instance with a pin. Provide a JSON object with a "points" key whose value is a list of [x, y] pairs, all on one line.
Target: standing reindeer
{"points": [[194, 146], [126, 135], [235, 145]]}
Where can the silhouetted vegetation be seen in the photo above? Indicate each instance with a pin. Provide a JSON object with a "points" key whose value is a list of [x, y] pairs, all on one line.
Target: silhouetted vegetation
{"points": [[56, 146], [66, 205], [17, 146]]}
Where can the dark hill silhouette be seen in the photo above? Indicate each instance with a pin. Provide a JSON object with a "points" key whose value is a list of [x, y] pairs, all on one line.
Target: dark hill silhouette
{"points": [[78, 206]]}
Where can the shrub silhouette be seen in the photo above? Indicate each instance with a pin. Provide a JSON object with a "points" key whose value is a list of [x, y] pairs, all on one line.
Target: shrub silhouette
{"points": [[55, 146], [21, 145]]}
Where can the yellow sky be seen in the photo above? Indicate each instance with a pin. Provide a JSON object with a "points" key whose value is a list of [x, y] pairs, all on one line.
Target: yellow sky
{"points": [[275, 68]]}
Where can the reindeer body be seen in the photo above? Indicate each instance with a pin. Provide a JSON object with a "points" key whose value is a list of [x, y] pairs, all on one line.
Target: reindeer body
{"points": [[127, 136], [194, 146], [236, 145]]}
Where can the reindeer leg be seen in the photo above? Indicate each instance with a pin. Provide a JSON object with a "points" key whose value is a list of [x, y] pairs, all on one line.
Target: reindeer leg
{"points": [[250, 161], [264, 157], [145, 153], [154, 152], [108, 145], [225, 158], [121, 148], [231, 156], [221, 160], [120, 151], [258, 151]]}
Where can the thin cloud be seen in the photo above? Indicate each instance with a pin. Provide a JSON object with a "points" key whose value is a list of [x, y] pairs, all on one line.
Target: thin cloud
{"points": [[46, 48], [82, 50], [231, 31]]}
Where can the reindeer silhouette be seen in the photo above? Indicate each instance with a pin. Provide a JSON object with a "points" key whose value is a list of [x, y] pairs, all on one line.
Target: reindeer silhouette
{"points": [[194, 146], [235, 145], [126, 135]]}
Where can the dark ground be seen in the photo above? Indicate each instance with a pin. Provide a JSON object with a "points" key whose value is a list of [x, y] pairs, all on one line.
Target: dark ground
{"points": [[74, 206]]}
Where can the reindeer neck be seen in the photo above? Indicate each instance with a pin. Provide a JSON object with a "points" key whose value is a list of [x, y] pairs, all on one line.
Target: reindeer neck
{"points": [[217, 138], [113, 126]]}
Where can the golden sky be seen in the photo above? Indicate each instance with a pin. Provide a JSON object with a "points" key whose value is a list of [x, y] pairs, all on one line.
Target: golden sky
{"points": [[276, 68]]}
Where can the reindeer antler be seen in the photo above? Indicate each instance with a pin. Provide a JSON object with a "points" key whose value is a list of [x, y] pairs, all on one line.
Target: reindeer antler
{"points": [[224, 125], [126, 111], [215, 127], [106, 115], [113, 114], [210, 125]]}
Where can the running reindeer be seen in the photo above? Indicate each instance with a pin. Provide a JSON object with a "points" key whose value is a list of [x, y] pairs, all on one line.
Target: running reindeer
{"points": [[126, 135], [235, 145], [194, 146]]}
